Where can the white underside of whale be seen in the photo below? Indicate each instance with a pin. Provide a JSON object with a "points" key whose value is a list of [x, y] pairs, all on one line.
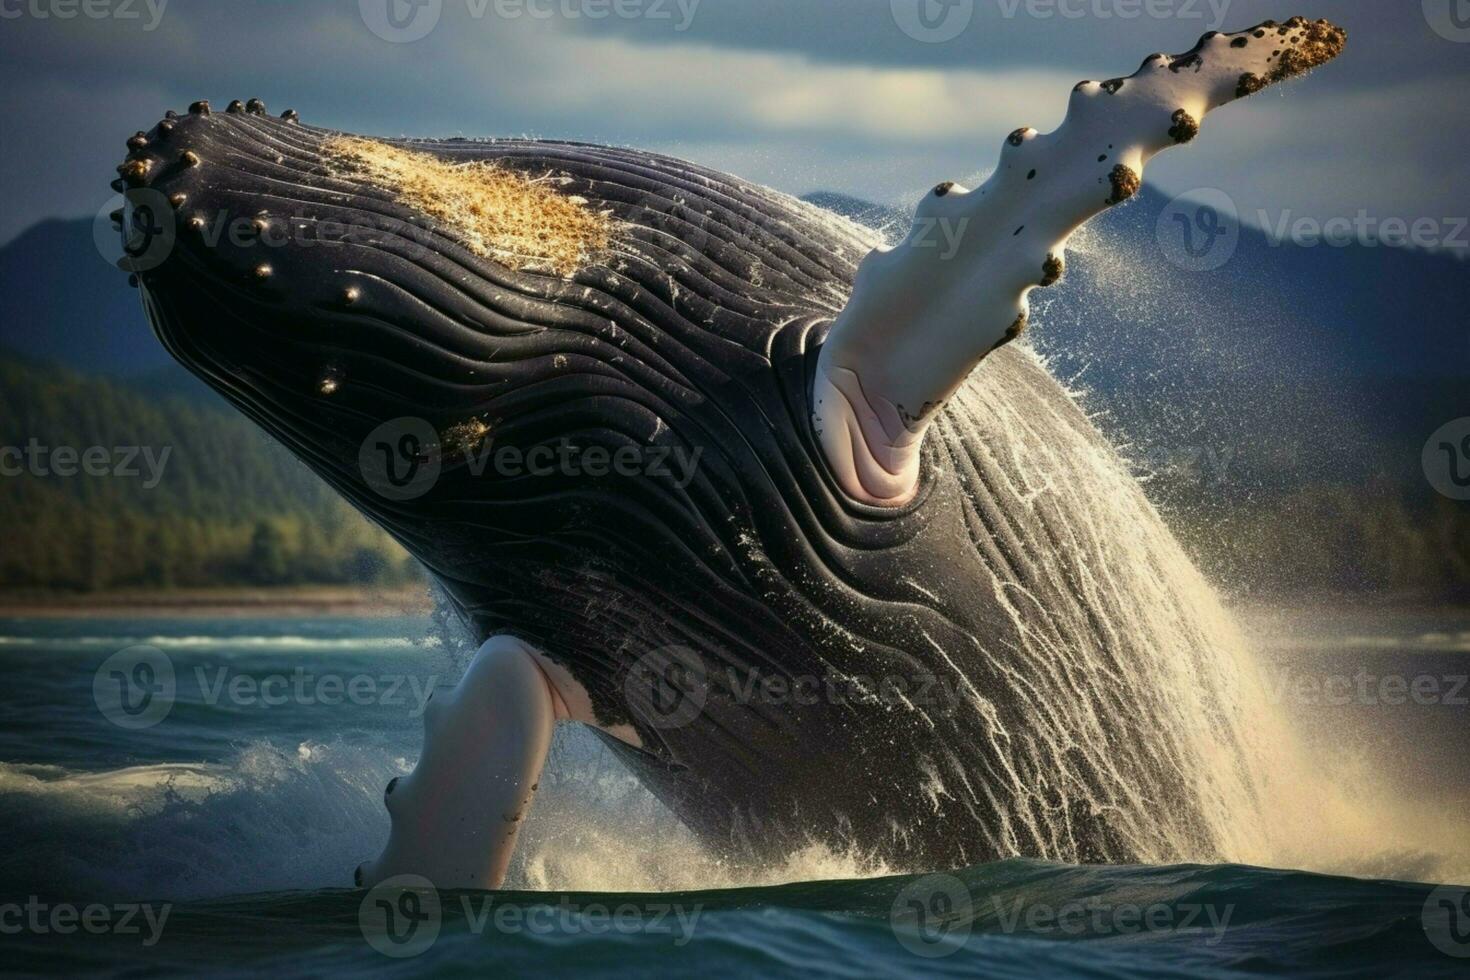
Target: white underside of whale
{"points": [[456, 817]]}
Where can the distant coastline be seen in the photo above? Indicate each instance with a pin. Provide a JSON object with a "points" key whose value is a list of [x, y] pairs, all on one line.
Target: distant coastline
{"points": [[224, 602]]}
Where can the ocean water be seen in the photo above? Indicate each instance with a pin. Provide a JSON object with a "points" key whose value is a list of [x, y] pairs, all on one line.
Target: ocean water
{"points": [[193, 796]]}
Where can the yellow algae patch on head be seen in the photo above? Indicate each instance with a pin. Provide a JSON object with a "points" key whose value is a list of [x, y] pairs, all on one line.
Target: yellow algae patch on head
{"points": [[466, 436], [494, 212]]}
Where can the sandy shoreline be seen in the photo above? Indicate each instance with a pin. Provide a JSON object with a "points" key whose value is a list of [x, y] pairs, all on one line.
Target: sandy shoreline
{"points": [[216, 603]]}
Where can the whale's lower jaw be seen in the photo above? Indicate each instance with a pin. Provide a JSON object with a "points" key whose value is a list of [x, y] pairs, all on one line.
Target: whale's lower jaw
{"points": [[971, 675]]}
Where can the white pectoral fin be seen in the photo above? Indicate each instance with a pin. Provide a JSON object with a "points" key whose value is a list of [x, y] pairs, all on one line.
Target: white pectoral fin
{"points": [[923, 313], [457, 815]]}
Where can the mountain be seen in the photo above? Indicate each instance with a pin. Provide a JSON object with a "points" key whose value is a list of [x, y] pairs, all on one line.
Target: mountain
{"points": [[62, 301], [120, 488], [1294, 364]]}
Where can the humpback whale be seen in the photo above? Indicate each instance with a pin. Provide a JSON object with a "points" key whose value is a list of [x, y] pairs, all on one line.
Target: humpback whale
{"points": [[714, 472]]}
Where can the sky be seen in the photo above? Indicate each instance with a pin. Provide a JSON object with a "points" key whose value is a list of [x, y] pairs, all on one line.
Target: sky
{"points": [[881, 99]]}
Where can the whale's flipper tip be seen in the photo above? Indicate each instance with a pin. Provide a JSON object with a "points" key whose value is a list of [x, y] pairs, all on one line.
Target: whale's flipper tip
{"points": [[1299, 45]]}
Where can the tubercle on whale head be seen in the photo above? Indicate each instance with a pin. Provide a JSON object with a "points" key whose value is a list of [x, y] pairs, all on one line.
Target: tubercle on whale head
{"points": [[925, 312]]}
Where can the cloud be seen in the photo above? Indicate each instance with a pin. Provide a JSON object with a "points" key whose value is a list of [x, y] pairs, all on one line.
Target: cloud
{"points": [[833, 106]]}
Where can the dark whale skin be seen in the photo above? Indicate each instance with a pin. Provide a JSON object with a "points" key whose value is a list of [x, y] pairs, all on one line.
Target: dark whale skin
{"points": [[697, 328]]}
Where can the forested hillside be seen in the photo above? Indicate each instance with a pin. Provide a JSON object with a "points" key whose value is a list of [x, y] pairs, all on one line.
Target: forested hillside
{"points": [[194, 495]]}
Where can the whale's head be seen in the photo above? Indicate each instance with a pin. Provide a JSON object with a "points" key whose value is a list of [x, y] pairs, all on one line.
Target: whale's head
{"points": [[384, 311]]}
